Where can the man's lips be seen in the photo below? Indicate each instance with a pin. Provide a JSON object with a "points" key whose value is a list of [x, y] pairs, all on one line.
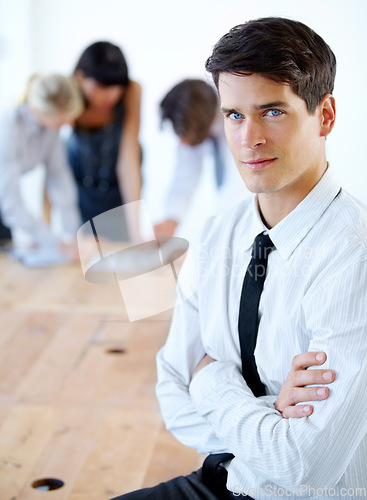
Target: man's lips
{"points": [[259, 163]]}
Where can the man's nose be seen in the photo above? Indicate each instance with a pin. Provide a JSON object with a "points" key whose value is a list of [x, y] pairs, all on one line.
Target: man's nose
{"points": [[252, 133]]}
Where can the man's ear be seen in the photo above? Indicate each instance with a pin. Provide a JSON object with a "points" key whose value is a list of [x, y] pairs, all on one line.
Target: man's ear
{"points": [[327, 113]]}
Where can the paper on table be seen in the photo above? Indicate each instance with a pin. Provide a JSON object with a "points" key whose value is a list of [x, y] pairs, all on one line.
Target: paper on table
{"points": [[40, 257]]}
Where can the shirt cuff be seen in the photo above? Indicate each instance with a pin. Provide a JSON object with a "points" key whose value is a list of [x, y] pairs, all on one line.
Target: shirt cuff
{"points": [[205, 383]]}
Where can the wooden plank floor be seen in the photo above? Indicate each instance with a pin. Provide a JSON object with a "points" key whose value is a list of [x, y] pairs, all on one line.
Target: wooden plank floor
{"points": [[77, 400]]}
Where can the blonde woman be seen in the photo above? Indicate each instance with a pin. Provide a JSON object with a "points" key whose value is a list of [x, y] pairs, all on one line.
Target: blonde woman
{"points": [[29, 136]]}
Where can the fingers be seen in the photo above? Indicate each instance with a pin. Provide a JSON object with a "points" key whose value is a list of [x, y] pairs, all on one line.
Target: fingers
{"points": [[303, 385], [299, 394], [307, 359], [301, 378], [298, 411]]}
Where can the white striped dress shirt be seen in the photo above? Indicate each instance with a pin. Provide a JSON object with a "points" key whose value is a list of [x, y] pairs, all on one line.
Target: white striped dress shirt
{"points": [[314, 299]]}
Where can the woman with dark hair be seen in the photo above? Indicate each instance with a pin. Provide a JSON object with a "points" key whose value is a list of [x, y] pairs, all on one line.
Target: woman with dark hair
{"points": [[103, 150]]}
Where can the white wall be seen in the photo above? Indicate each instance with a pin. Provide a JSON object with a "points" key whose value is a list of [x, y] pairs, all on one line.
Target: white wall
{"points": [[16, 61], [166, 40]]}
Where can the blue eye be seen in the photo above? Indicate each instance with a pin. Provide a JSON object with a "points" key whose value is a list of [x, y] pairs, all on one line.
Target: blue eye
{"points": [[236, 116], [274, 112]]}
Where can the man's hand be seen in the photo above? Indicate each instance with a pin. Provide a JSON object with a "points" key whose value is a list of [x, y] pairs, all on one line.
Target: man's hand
{"points": [[205, 361], [294, 389], [165, 229], [70, 250]]}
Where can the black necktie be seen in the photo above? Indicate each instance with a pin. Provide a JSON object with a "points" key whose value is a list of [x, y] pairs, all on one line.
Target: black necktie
{"points": [[248, 321]]}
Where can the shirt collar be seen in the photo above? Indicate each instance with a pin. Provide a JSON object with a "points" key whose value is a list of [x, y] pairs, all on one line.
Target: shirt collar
{"points": [[255, 227], [291, 230]]}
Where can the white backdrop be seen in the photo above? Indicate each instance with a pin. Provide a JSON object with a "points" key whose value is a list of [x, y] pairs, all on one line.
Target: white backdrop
{"points": [[167, 40]]}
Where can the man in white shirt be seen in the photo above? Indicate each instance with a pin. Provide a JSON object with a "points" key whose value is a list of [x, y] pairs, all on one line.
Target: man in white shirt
{"points": [[275, 79], [191, 106]]}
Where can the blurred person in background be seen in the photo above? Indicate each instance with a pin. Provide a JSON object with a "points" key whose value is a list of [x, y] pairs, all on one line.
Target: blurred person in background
{"points": [[103, 149], [192, 108], [29, 135]]}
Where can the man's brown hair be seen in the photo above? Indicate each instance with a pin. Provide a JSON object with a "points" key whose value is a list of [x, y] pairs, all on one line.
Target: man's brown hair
{"points": [[191, 106], [280, 49]]}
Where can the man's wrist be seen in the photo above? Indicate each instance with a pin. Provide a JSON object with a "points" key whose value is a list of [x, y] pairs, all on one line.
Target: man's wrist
{"points": [[203, 363]]}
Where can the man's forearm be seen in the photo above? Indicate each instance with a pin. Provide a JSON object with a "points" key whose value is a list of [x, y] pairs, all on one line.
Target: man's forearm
{"points": [[179, 413], [288, 452]]}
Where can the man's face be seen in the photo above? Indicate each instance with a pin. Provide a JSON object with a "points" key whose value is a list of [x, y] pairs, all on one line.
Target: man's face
{"points": [[278, 146]]}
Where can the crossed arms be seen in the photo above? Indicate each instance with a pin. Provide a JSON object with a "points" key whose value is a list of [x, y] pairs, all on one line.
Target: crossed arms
{"points": [[294, 389], [207, 404]]}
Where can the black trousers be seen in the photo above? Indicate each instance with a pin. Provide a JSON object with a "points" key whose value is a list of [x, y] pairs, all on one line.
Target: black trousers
{"points": [[5, 233], [207, 483]]}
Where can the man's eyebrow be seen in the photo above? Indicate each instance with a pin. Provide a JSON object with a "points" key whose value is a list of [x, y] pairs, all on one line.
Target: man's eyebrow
{"points": [[276, 104], [228, 111], [259, 107]]}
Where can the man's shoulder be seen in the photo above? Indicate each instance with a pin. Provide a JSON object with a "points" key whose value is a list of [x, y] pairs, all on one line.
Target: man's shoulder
{"points": [[340, 236], [352, 215]]}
